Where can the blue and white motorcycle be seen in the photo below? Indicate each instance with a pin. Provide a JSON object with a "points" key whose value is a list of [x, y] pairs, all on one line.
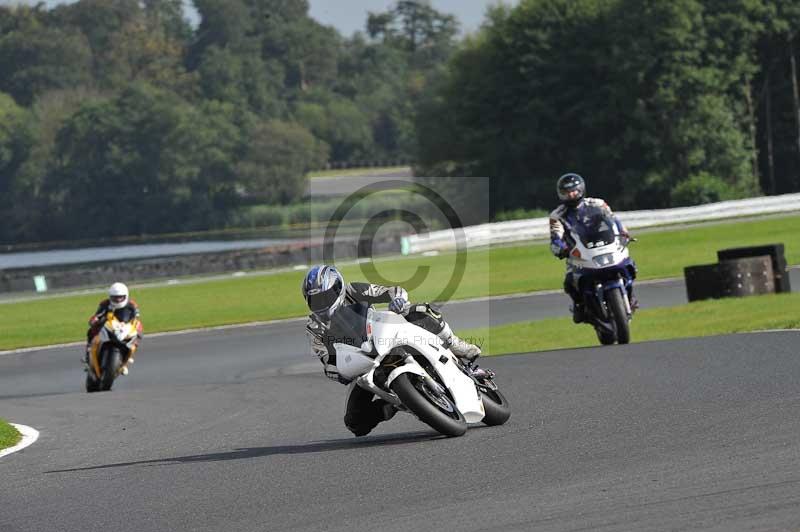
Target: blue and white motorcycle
{"points": [[602, 272]]}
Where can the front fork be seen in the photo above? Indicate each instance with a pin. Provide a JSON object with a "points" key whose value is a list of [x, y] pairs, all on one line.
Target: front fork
{"points": [[94, 355], [622, 286], [600, 290]]}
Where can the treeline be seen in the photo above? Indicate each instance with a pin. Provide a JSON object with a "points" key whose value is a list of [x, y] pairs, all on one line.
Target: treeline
{"points": [[657, 103], [119, 118]]}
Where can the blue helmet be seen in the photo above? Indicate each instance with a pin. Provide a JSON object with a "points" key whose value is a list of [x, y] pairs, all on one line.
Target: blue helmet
{"points": [[323, 289], [571, 189]]}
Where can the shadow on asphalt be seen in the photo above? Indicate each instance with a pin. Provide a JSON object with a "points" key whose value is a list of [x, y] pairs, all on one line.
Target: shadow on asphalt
{"points": [[257, 452]]}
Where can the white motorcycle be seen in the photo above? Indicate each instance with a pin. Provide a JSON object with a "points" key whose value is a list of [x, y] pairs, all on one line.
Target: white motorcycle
{"points": [[408, 367], [602, 272]]}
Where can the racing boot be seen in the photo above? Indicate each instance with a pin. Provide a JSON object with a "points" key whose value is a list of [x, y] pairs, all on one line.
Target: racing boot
{"points": [[578, 313], [124, 370], [388, 411], [633, 300], [459, 347], [85, 359], [481, 374]]}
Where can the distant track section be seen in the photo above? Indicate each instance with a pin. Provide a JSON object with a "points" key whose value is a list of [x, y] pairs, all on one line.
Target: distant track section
{"points": [[538, 228]]}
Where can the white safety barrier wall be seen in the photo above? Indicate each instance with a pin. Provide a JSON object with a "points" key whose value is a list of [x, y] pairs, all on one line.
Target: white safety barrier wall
{"points": [[539, 228]]}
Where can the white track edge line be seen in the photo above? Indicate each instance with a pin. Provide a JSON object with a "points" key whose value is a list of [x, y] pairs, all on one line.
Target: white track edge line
{"points": [[760, 331], [156, 335], [29, 435]]}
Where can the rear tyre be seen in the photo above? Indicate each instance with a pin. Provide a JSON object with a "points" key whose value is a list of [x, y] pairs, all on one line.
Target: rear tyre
{"points": [[496, 407], [616, 304], [606, 337], [434, 409], [110, 362]]}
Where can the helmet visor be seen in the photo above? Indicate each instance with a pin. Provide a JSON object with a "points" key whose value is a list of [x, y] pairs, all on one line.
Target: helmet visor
{"points": [[322, 301], [117, 299]]}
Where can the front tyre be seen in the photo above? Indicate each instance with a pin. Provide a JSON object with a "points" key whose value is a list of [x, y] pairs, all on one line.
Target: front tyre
{"points": [[616, 304], [432, 407], [495, 405], [110, 363], [92, 383]]}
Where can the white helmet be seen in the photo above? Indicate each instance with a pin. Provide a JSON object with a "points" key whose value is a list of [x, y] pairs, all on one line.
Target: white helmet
{"points": [[118, 295]]}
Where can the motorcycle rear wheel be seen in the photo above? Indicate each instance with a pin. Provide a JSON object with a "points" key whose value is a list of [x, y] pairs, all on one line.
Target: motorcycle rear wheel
{"points": [[438, 412], [605, 337]]}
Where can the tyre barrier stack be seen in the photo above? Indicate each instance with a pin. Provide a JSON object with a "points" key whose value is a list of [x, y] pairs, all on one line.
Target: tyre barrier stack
{"points": [[740, 272], [775, 252]]}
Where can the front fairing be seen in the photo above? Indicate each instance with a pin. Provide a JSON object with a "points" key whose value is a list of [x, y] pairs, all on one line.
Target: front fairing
{"points": [[595, 239], [603, 257], [118, 332], [388, 330]]}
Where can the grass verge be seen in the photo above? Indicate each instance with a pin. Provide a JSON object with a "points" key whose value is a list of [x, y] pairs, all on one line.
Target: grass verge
{"points": [[497, 271], [322, 174], [702, 318], [9, 436]]}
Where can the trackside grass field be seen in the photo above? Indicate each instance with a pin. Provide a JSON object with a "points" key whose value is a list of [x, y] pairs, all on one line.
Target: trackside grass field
{"points": [[702, 318], [497, 271], [9, 436], [322, 174]]}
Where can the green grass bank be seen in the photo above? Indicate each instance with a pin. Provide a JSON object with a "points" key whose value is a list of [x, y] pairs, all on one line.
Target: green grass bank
{"points": [[505, 270], [378, 171], [702, 318], [9, 436]]}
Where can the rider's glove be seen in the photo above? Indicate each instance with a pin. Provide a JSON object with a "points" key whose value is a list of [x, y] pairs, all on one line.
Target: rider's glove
{"points": [[400, 306], [559, 248], [626, 237]]}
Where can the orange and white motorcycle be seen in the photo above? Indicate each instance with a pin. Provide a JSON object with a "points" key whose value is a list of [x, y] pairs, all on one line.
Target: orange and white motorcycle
{"points": [[111, 350]]}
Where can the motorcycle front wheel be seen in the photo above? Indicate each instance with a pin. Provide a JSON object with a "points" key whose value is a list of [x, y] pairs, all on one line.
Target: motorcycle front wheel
{"points": [[110, 363], [435, 409], [496, 407], [92, 383], [616, 304]]}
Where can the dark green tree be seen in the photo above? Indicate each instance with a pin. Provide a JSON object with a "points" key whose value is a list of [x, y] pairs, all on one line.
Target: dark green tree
{"points": [[776, 99], [278, 158], [416, 27], [636, 95], [142, 163], [35, 58], [16, 142]]}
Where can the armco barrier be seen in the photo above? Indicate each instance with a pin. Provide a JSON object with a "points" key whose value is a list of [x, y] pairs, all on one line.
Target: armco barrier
{"points": [[70, 276], [538, 228]]}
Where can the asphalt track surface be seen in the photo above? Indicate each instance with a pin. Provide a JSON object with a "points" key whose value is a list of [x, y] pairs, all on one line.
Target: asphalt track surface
{"points": [[228, 356], [238, 430]]}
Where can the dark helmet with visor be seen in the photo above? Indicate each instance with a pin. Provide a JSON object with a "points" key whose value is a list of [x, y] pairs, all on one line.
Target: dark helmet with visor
{"points": [[324, 290], [571, 188]]}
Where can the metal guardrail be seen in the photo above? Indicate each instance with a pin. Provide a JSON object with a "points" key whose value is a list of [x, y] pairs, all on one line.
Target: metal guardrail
{"points": [[538, 228]]}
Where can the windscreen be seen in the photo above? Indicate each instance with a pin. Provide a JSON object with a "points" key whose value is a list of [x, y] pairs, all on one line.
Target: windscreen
{"points": [[349, 325], [125, 314], [594, 226]]}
